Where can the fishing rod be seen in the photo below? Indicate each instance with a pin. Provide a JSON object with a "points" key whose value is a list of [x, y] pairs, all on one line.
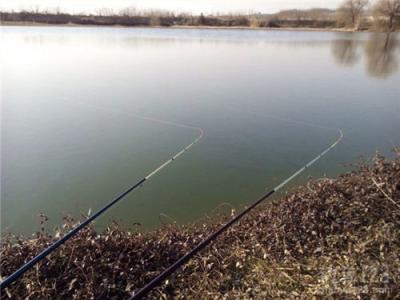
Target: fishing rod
{"points": [[28, 265], [156, 281], [18, 273]]}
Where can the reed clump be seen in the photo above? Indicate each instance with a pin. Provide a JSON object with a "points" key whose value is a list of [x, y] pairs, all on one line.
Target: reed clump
{"points": [[337, 238]]}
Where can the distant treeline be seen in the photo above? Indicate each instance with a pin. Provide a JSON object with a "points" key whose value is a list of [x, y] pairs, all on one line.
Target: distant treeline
{"points": [[313, 18]]}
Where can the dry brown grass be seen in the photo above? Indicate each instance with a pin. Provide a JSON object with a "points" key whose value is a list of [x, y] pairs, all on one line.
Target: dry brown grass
{"points": [[337, 238]]}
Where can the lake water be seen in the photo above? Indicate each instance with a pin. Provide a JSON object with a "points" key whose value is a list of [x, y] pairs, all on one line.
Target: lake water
{"points": [[72, 138]]}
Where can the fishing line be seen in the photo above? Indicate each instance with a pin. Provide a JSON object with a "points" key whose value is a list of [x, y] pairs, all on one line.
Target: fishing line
{"points": [[156, 281], [13, 277], [18, 273], [283, 119]]}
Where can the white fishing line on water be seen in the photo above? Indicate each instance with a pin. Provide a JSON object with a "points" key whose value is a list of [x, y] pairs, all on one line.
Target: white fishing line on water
{"points": [[304, 123], [18, 273], [175, 156], [51, 248], [157, 280]]}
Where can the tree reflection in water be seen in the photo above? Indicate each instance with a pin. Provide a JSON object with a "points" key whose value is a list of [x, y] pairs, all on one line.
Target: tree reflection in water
{"points": [[345, 52], [381, 53]]}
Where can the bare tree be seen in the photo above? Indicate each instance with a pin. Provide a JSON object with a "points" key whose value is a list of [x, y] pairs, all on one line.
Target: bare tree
{"points": [[350, 11], [388, 10], [105, 12], [129, 12]]}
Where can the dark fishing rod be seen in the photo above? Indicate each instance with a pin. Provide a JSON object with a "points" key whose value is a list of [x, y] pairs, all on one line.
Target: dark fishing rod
{"points": [[184, 259], [13, 277], [18, 273]]}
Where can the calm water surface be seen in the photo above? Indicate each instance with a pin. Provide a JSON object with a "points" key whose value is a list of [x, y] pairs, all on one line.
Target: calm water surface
{"points": [[71, 138]]}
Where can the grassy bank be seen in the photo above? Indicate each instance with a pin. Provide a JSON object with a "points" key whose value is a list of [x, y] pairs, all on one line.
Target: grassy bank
{"points": [[330, 237]]}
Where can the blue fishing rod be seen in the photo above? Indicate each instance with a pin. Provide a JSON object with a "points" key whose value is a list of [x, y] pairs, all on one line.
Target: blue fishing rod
{"points": [[28, 265], [156, 281]]}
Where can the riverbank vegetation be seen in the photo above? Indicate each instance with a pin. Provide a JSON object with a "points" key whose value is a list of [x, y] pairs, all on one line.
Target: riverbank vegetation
{"points": [[382, 15], [330, 237]]}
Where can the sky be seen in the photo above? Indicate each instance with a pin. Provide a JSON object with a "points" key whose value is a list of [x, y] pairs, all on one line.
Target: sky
{"points": [[193, 6]]}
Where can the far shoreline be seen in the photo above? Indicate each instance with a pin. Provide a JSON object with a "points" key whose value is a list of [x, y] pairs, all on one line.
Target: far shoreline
{"points": [[300, 29]]}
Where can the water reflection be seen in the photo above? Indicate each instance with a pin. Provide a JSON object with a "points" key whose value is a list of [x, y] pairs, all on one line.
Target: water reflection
{"points": [[52, 144], [345, 52], [381, 53], [380, 50]]}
